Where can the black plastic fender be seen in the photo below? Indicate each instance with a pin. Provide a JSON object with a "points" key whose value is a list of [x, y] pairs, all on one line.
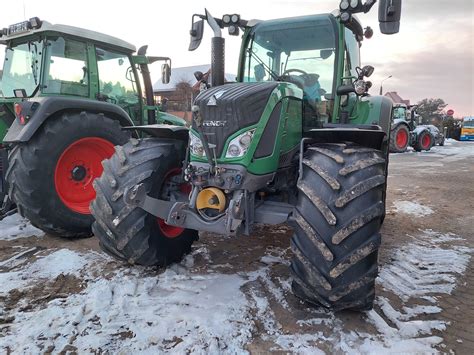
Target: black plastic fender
{"points": [[37, 110], [163, 131]]}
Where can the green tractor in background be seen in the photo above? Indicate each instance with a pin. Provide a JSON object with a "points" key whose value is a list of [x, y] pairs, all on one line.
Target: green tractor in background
{"points": [[296, 140], [405, 130], [65, 95]]}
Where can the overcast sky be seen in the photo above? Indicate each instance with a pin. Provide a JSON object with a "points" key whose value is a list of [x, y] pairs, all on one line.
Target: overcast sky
{"points": [[432, 56]]}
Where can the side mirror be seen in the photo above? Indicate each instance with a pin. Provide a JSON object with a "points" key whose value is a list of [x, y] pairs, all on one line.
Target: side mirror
{"points": [[198, 75], [390, 12], [196, 33], [325, 53], [165, 73]]}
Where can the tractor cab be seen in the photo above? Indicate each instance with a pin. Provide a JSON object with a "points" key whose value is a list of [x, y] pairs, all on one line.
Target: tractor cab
{"points": [[44, 59], [302, 51]]}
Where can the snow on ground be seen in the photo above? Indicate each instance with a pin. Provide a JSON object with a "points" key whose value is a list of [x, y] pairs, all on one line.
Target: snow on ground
{"points": [[417, 273], [181, 310], [15, 227], [451, 151], [130, 312], [63, 261], [412, 208]]}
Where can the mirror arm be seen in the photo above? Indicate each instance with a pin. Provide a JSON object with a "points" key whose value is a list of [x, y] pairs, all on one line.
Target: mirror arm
{"points": [[368, 5], [214, 25]]}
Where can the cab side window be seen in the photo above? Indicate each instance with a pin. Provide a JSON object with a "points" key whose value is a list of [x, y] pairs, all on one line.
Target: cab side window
{"points": [[117, 82], [66, 68]]}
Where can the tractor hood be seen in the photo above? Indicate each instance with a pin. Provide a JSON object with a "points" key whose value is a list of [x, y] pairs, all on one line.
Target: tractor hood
{"points": [[228, 108]]}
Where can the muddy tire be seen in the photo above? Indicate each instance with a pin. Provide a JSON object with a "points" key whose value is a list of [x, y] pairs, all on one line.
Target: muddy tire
{"points": [[399, 139], [337, 223], [424, 141], [127, 232], [50, 177]]}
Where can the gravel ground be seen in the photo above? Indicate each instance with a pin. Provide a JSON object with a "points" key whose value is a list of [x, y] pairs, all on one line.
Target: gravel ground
{"points": [[232, 295]]}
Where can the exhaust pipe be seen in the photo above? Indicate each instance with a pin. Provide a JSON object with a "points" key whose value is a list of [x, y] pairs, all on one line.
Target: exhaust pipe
{"points": [[217, 52]]}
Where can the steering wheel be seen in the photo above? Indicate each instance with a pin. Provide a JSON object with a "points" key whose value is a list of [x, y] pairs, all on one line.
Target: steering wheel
{"points": [[293, 78], [295, 70]]}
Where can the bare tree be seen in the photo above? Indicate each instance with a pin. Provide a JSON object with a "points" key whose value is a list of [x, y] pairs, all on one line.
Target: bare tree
{"points": [[184, 93]]}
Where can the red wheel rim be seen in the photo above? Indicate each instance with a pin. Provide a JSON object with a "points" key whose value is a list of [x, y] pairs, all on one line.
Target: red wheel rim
{"points": [[402, 138], [425, 141], [77, 167], [170, 231]]}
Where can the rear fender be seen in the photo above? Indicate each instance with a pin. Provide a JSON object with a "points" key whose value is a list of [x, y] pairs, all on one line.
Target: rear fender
{"points": [[37, 110]]}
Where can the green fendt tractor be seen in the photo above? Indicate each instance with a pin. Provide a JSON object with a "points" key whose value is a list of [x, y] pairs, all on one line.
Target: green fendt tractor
{"points": [[296, 140], [65, 93], [405, 130]]}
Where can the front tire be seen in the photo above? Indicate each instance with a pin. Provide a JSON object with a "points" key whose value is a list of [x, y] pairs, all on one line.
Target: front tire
{"points": [[339, 213], [128, 232], [50, 177]]}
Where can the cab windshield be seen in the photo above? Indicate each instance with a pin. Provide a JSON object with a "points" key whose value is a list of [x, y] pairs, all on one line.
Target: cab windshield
{"points": [[21, 68], [300, 51]]}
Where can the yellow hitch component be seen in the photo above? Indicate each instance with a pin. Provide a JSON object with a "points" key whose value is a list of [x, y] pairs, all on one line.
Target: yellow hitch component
{"points": [[211, 198]]}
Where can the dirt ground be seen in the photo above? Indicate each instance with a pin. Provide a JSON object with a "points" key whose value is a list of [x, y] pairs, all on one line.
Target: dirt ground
{"points": [[233, 295]]}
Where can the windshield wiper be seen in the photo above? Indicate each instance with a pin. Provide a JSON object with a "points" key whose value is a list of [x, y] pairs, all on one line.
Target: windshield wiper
{"points": [[262, 63]]}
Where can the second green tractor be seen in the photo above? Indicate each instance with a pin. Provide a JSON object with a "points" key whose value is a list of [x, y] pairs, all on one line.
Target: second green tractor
{"points": [[65, 95]]}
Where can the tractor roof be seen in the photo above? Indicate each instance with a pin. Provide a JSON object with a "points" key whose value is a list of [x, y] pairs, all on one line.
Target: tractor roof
{"points": [[71, 31]]}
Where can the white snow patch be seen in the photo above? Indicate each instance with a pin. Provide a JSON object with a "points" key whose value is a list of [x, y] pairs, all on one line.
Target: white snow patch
{"points": [[425, 268], [63, 261], [130, 313], [412, 208], [15, 227]]}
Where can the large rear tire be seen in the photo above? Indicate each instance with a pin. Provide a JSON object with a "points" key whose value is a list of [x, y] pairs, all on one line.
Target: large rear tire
{"points": [[50, 177], [399, 139], [128, 232], [339, 213]]}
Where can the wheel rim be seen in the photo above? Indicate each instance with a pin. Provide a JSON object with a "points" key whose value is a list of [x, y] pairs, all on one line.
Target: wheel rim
{"points": [[402, 138], [77, 167], [170, 231], [425, 141]]}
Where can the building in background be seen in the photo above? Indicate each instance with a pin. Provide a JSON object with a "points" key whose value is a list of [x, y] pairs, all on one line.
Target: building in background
{"points": [[180, 92], [397, 99]]}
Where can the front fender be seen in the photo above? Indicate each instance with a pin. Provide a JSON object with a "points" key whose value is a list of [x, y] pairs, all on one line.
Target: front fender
{"points": [[377, 110], [37, 110]]}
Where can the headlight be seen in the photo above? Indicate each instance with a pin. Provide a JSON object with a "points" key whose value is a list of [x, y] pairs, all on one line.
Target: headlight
{"points": [[344, 5], [240, 144], [195, 145]]}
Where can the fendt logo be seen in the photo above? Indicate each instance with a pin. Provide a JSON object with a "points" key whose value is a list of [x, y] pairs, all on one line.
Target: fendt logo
{"points": [[214, 123]]}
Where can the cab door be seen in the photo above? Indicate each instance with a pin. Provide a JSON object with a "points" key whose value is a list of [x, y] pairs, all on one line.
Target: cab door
{"points": [[117, 82]]}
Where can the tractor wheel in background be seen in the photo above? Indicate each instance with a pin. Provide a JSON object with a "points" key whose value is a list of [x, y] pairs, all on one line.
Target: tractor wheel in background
{"points": [[337, 223], [399, 139], [50, 177], [129, 233], [424, 141]]}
